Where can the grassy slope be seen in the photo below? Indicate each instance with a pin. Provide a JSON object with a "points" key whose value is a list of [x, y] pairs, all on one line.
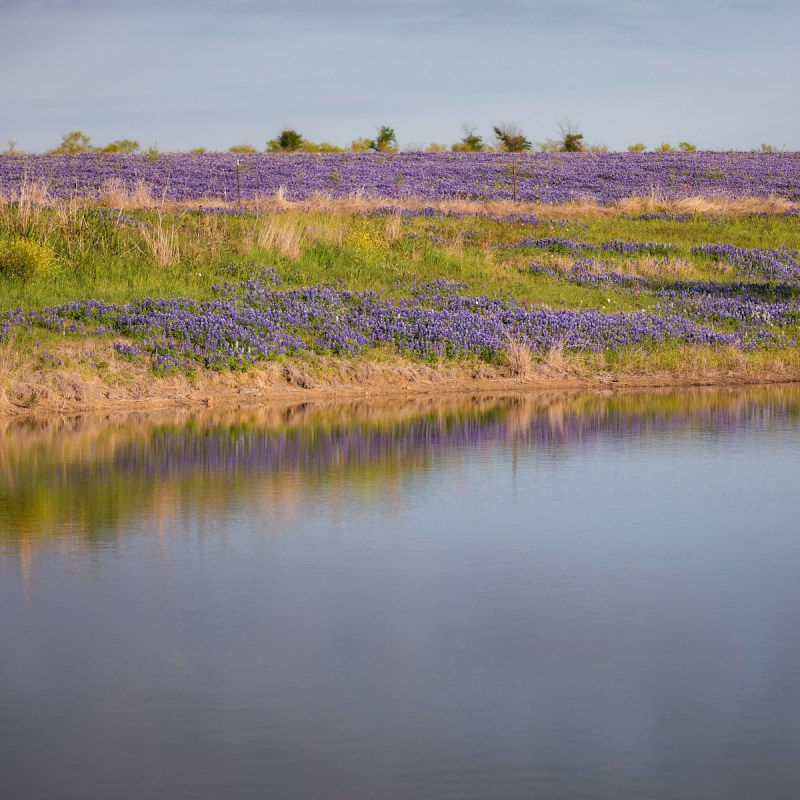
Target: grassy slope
{"points": [[120, 255]]}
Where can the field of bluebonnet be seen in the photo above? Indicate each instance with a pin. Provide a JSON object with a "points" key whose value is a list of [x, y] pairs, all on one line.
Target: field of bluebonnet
{"points": [[594, 263], [539, 177]]}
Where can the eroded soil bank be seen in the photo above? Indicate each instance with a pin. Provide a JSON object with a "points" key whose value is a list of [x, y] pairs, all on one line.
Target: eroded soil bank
{"points": [[27, 391]]}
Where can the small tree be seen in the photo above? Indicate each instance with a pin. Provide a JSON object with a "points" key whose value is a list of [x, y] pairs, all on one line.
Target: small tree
{"points": [[687, 148], [385, 142], [74, 142], [470, 142], [571, 140], [287, 141], [637, 148], [765, 148], [665, 147], [242, 149], [511, 139]]}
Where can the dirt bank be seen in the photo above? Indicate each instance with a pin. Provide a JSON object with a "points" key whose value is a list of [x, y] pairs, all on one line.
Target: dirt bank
{"points": [[31, 392]]}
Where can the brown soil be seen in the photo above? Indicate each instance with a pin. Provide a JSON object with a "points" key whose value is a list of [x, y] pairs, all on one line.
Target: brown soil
{"points": [[42, 393]]}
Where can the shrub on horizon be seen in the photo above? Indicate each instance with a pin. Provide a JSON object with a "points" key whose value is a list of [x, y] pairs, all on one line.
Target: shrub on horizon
{"points": [[511, 139], [687, 148], [571, 140], [637, 148], [470, 142], [121, 146], [242, 149], [74, 142], [384, 142], [287, 141], [322, 147]]}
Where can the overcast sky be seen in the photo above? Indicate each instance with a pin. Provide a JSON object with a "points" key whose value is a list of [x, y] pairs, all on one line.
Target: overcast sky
{"points": [[188, 73]]}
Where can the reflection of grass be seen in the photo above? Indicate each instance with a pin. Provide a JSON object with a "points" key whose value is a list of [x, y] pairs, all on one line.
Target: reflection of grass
{"points": [[86, 480]]}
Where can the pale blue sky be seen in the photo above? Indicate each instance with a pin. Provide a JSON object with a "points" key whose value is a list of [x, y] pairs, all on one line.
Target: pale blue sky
{"points": [[184, 74]]}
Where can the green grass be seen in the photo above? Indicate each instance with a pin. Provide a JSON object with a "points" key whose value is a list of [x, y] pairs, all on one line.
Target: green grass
{"points": [[118, 256]]}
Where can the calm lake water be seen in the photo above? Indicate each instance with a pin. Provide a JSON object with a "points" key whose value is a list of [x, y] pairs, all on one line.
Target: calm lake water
{"points": [[560, 596]]}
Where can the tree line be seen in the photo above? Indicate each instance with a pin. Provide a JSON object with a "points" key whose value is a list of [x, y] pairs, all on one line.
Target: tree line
{"points": [[507, 139]]}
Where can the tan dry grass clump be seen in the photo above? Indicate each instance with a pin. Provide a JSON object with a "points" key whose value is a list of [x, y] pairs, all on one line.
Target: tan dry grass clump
{"points": [[663, 268], [393, 229], [519, 358], [284, 234], [22, 210], [162, 241], [115, 194], [705, 205], [330, 229]]}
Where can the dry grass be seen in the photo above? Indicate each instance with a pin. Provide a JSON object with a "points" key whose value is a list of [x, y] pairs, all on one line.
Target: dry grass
{"points": [[393, 229], [331, 230], [284, 234], [706, 205], [21, 211], [676, 269], [161, 240], [519, 359], [360, 202], [114, 194]]}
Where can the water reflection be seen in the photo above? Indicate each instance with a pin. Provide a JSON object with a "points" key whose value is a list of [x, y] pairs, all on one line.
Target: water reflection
{"points": [[85, 479], [555, 596]]}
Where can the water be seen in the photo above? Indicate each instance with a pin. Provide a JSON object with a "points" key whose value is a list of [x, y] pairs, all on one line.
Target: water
{"points": [[556, 597]]}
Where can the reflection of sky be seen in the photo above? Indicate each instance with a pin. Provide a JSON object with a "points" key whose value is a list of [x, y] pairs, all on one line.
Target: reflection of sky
{"points": [[614, 619], [216, 74]]}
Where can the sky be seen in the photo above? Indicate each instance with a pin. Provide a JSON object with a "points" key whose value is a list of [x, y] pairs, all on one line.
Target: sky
{"points": [[179, 74]]}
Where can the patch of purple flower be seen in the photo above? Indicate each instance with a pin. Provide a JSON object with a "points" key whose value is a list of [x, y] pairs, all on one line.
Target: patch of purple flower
{"points": [[554, 244], [638, 248], [772, 264], [254, 321], [540, 177]]}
